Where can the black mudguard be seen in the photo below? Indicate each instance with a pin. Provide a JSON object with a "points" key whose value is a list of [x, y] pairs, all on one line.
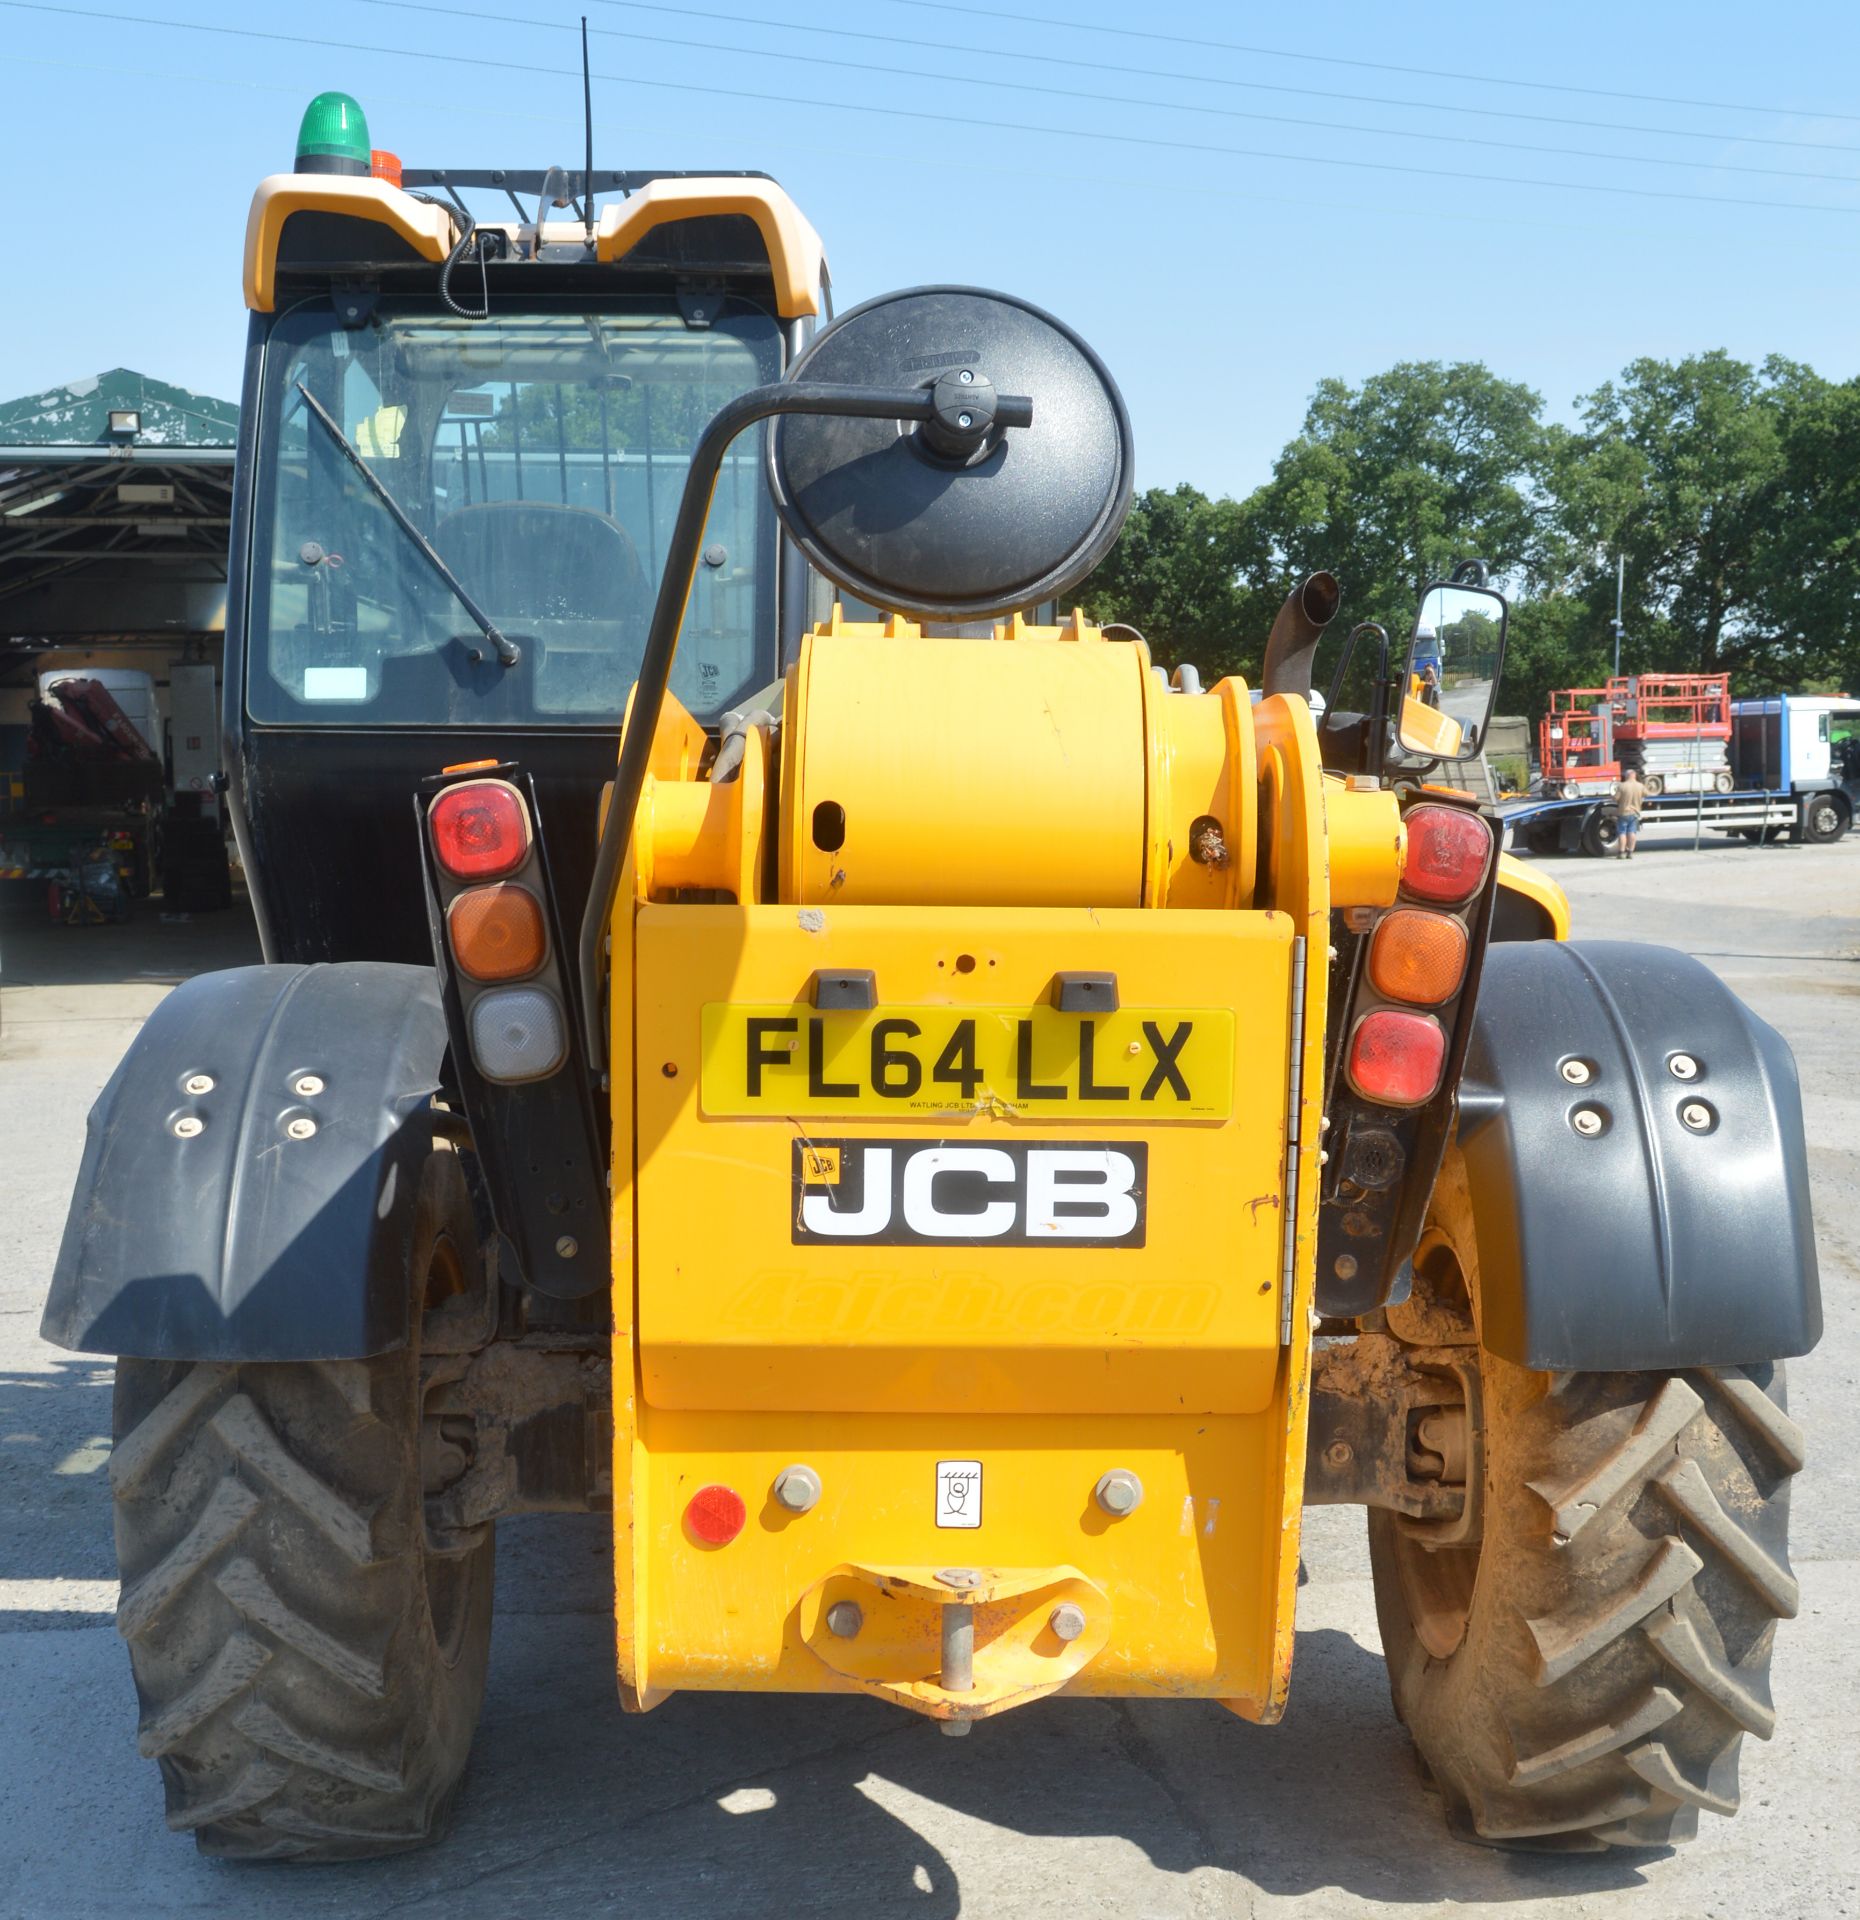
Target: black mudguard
{"points": [[1648, 1245], [239, 1241]]}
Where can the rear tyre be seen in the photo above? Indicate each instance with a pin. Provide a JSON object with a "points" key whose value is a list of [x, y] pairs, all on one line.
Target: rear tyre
{"points": [[1585, 1676], [310, 1662]]}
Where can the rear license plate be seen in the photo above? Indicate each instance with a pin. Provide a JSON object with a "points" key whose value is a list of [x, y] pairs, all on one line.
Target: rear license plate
{"points": [[1150, 1063]]}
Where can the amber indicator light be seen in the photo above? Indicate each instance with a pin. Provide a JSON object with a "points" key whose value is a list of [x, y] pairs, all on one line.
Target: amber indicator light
{"points": [[1417, 956], [497, 931]]}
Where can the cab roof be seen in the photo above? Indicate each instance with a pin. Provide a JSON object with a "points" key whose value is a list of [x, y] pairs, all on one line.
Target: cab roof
{"points": [[350, 221]]}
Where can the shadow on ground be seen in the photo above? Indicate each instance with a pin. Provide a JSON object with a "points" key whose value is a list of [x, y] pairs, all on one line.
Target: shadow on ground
{"points": [[152, 946], [727, 1804]]}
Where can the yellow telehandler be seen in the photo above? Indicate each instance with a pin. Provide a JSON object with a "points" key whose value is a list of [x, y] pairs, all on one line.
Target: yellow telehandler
{"points": [[774, 1026]]}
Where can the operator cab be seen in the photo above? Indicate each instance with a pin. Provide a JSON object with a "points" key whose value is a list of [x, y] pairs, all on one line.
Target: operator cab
{"points": [[465, 442]]}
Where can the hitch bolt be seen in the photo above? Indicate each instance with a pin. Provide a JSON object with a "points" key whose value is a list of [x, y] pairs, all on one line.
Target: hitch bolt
{"points": [[1697, 1115], [188, 1126], [300, 1128], [961, 1578], [567, 1247], [1119, 1492], [1682, 1066], [1577, 1072], [844, 1619], [797, 1489], [197, 1083], [308, 1085], [1586, 1121], [1067, 1621], [954, 1728]]}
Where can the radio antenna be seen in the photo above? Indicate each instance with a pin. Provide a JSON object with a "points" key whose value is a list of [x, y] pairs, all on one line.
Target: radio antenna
{"points": [[587, 121]]}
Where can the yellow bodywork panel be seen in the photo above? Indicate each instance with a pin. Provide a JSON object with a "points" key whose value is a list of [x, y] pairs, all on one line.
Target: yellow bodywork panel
{"points": [[1366, 842], [956, 1249], [1187, 1581], [1062, 773], [1012, 1249], [1520, 877]]}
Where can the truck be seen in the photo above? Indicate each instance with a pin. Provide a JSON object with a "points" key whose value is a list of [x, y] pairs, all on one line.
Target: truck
{"points": [[1793, 773], [952, 1145]]}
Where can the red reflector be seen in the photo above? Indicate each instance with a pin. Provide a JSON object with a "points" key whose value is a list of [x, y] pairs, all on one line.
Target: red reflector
{"points": [[1447, 853], [1396, 1058], [716, 1515], [481, 830]]}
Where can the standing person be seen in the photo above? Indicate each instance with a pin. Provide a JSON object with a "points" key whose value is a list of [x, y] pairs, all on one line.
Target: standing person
{"points": [[1430, 685], [1630, 792]]}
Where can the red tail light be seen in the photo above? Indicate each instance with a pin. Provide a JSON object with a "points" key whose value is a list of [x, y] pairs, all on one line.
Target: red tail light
{"points": [[1396, 1058], [1448, 849], [481, 830]]}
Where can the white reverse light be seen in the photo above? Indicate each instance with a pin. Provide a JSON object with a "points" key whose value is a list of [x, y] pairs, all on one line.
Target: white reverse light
{"points": [[517, 1034]]}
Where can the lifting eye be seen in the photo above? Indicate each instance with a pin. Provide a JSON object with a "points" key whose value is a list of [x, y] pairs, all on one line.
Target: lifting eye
{"points": [[829, 826]]}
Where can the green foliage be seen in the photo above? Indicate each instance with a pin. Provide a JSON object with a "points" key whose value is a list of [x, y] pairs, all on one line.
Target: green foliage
{"points": [[1389, 484], [1187, 574], [1732, 490]]}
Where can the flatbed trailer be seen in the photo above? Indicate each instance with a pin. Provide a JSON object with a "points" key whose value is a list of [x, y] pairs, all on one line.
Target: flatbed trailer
{"points": [[1794, 780], [1587, 824]]}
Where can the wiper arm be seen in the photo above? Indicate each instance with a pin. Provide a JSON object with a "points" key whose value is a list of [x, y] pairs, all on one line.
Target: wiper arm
{"points": [[507, 650]]}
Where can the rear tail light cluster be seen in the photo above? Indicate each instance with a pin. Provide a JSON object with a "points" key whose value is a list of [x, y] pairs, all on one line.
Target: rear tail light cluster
{"points": [[1418, 957], [484, 848]]}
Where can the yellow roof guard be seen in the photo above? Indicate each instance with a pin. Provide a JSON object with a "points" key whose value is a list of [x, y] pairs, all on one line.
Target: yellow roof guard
{"points": [[796, 258]]}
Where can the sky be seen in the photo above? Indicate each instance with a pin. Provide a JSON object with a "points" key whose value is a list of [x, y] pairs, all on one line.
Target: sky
{"points": [[1230, 201]]}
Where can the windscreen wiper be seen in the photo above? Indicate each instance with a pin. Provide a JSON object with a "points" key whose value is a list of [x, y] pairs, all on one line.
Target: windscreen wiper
{"points": [[507, 650]]}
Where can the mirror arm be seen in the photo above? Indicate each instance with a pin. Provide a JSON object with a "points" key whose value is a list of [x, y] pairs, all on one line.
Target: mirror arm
{"points": [[668, 614]]}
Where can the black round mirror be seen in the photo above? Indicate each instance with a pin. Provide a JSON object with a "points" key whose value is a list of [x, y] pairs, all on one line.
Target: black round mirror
{"points": [[924, 518]]}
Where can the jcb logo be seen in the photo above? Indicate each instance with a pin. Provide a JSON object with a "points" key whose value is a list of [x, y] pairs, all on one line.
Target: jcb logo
{"points": [[940, 1193]]}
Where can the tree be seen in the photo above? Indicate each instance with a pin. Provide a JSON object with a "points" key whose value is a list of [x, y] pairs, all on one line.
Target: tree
{"points": [[1733, 492], [1711, 477], [1184, 574], [1390, 484]]}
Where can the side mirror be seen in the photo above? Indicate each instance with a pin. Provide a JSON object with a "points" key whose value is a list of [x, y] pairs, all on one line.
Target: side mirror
{"points": [[1450, 683], [955, 517]]}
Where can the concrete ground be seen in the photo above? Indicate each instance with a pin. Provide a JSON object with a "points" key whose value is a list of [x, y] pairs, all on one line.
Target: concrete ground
{"points": [[721, 1806]]}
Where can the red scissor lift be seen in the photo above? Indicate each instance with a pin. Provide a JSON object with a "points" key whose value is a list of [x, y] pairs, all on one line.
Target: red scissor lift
{"points": [[1575, 741], [1673, 729]]}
